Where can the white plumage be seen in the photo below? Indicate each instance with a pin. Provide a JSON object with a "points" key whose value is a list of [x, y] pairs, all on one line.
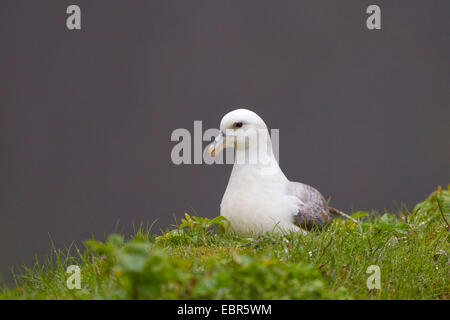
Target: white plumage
{"points": [[259, 198]]}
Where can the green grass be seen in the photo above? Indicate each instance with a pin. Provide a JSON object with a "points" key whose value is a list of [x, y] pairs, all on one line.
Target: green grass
{"points": [[199, 260]]}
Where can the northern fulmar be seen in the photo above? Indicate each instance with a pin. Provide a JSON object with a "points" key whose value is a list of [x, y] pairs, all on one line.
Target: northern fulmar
{"points": [[259, 198]]}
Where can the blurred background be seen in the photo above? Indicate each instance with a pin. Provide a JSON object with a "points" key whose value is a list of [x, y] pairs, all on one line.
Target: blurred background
{"points": [[86, 116]]}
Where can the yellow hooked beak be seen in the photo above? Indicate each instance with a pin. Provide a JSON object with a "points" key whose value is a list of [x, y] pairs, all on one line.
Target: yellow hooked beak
{"points": [[221, 142]]}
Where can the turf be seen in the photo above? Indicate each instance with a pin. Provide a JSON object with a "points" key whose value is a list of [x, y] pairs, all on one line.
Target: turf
{"points": [[199, 259]]}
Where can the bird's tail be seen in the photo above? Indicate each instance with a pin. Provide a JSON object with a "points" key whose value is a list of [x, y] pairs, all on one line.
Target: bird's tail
{"points": [[335, 213]]}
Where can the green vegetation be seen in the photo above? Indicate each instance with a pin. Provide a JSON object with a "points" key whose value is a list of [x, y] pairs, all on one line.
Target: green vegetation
{"points": [[199, 260]]}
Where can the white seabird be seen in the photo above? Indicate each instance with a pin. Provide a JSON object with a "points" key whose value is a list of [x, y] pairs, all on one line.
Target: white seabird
{"points": [[259, 198]]}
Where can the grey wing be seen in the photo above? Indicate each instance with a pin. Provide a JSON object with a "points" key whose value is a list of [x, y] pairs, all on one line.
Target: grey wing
{"points": [[314, 210]]}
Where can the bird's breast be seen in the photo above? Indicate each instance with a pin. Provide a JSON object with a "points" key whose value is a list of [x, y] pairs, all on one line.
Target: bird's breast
{"points": [[254, 206]]}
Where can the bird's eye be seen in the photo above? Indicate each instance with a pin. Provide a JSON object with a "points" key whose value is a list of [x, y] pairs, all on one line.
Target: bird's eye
{"points": [[238, 124]]}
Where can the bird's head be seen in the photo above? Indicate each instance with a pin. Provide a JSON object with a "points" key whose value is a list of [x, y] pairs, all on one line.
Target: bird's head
{"points": [[237, 129]]}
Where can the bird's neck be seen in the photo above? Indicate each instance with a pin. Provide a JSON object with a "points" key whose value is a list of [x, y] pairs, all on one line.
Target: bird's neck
{"points": [[257, 164]]}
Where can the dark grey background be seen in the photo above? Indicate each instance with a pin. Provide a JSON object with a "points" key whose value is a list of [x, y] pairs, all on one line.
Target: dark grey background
{"points": [[86, 116]]}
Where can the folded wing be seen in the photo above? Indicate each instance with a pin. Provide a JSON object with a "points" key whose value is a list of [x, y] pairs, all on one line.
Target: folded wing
{"points": [[314, 211]]}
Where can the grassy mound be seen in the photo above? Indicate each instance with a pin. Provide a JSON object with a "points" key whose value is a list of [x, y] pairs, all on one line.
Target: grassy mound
{"points": [[199, 260]]}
